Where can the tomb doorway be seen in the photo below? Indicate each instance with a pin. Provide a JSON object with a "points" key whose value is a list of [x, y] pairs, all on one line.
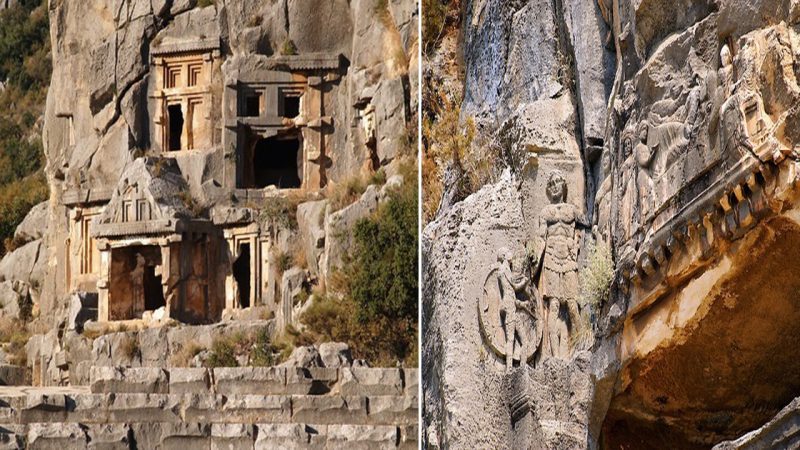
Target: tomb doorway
{"points": [[241, 274], [277, 161]]}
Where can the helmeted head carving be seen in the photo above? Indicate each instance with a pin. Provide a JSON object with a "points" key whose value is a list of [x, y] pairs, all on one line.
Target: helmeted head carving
{"points": [[605, 163], [557, 187], [725, 56], [503, 254]]}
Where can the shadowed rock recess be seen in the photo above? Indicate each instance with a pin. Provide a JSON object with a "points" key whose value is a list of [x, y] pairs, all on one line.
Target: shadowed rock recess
{"points": [[208, 162], [627, 278]]}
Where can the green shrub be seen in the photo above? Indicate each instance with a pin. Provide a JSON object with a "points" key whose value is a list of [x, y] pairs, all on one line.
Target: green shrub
{"points": [[288, 48], [261, 350], [384, 279], [17, 198], [25, 65], [596, 277], [434, 18], [222, 354], [377, 312]]}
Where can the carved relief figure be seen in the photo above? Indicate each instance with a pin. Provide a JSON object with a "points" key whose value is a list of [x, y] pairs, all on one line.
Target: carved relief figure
{"points": [[601, 228], [509, 286], [668, 142], [695, 101], [644, 180], [558, 268], [726, 71], [509, 313], [628, 192]]}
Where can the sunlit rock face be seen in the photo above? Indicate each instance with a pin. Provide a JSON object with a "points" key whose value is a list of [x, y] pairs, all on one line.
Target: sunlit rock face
{"points": [[690, 183], [191, 146], [244, 102]]}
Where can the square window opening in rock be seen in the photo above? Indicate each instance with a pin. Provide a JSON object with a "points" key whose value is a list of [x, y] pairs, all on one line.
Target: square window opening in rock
{"points": [[175, 113], [291, 106], [252, 105], [277, 162]]}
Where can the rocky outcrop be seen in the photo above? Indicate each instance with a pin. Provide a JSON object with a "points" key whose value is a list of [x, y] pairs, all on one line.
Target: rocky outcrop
{"points": [[103, 115], [648, 197], [780, 432]]}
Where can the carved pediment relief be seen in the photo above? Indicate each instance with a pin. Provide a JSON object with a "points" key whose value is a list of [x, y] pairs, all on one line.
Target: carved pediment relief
{"points": [[134, 205]]}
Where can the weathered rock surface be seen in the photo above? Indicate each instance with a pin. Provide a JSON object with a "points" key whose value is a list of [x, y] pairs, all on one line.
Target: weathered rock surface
{"points": [[34, 225], [671, 127], [780, 432], [354, 64], [239, 407]]}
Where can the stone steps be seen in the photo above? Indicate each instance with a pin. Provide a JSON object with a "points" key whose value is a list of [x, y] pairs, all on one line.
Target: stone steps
{"points": [[231, 408], [255, 380], [177, 408], [206, 436]]}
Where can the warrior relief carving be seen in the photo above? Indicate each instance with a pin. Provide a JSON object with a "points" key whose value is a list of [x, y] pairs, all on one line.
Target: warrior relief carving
{"points": [[559, 239], [508, 312]]}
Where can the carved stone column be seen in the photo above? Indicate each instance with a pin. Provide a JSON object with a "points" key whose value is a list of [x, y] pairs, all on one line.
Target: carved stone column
{"points": [[525, 430]]}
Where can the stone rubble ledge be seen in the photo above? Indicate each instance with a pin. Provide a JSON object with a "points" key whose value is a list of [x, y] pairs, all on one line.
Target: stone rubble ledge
{"points": [[11, 375], [208, 408], [357, 381], [206, 436]]}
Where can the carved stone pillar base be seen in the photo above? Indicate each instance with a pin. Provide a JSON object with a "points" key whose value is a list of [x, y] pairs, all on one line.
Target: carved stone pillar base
{"points": [[525, 432]]}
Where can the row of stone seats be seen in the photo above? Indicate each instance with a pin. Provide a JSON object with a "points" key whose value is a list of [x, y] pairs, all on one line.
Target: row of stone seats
{"points": [[247, 408], [168, 436], [255, 380]]}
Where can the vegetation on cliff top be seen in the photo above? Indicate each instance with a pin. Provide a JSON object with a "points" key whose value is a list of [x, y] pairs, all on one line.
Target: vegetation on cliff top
{"points": [[456, 159], [25, 68], [376, 313]]}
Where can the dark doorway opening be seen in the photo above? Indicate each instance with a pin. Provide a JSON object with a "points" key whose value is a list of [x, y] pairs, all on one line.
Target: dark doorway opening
{"points": [[175, 126], [276, 161], [134, 286], [291, 106], [241, 273], [252, 106], [153, 294]]}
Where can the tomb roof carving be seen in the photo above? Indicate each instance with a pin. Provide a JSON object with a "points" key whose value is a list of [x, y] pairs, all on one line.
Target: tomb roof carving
{"points": [[199, 45], [272, 69], [149, 199]]}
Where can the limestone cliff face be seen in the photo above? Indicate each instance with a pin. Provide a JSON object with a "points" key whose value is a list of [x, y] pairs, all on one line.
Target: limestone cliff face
{"points": [[672, 126], [104, 109], [194, 147]]}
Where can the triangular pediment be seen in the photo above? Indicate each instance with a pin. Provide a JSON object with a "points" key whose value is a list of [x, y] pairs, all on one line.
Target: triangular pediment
{"points": [[148, 197], [134, 204]]}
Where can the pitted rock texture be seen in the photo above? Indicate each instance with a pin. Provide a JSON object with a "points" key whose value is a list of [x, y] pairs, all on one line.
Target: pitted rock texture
{"points": [[673, 126]]}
